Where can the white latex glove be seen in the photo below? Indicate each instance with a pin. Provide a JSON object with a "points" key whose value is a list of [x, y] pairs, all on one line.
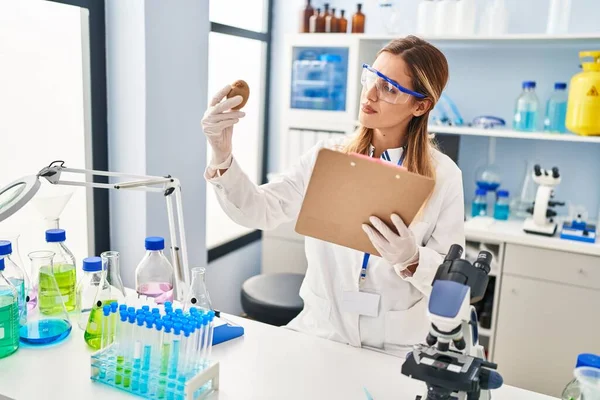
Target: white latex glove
{"points": [[217, 125], [400, 250]]}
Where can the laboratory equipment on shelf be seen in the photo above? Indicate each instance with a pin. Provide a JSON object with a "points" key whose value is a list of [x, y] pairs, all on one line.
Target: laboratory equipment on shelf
{"points": [[358, 20], [87, 288], [157, 355], [445, 112], [466, 11], [526, 197], [578, 230], [198, 296], [453, 362], [488, 122], [63, 266], [583, 107], [317, 22], [556, 109], [526, 109], [479, 205], [154, 275], [502, 206], [488, 178], [573, 389], [543, 221], [17, 276], [47, 321], [319, 78], [389, 16], [445, 18], [494, 19], [9, 315], [331, 22], [112, 266], [305, 15], [342, 22], [14, 196], [426, 12], [589, 382], [559, 14]]}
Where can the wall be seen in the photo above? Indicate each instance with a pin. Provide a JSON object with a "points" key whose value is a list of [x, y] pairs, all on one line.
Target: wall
{"points": [[483, 81], [157, 68]]}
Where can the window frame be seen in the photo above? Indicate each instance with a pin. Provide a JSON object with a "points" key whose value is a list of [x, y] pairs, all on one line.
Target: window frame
{"points": [[99, 116], [224, 249]]}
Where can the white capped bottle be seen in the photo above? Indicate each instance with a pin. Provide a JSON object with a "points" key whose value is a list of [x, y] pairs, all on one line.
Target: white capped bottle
{"points": [[558, 17], [494, 19], [154, 275], [426, 17], [465, 17], [445, 18]]}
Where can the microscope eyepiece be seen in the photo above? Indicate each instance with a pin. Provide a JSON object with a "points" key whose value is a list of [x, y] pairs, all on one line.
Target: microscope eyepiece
{"points": [[555, 173], [454, 253], [484, 260], [537, 170]]}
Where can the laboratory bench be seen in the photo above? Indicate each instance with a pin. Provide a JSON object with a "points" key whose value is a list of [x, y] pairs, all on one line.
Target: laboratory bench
{"points": [[267, 363]]}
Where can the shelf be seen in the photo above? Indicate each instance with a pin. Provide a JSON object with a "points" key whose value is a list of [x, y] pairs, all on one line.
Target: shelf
{"points": [[506, 133]]}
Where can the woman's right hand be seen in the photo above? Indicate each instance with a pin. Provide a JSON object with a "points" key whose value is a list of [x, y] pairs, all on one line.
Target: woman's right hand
{"points": [[217, 125]]}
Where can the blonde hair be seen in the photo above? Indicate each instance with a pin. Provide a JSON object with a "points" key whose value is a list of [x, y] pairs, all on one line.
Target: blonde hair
{"points": [[429, 72]]}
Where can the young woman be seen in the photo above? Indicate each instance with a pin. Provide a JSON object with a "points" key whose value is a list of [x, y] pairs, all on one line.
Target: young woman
{"points": [[386, 308]]}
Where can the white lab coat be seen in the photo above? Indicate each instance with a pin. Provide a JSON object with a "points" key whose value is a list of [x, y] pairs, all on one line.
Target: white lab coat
{"points": [[332, 269]]}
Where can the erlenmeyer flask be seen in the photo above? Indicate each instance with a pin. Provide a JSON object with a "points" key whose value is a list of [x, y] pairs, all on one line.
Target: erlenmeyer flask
{"points": [[198, 295], [111, 264], [526, 197], [48, 322]]}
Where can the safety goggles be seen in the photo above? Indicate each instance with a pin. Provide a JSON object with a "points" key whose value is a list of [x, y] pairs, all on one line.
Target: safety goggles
{"points": [[388, 90]]}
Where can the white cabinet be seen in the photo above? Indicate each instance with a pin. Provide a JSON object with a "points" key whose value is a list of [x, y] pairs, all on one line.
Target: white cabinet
{"points": [[545, 320]]}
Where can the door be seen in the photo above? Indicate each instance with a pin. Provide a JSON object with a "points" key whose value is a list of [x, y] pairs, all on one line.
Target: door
{"points": [[542, 327]]}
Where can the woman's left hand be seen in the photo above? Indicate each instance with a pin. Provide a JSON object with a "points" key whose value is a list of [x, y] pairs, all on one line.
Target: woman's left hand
{"points": [[400, 250]]}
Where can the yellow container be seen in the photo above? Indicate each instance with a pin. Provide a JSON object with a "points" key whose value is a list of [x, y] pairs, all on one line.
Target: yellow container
{"points": [[583, 110]]}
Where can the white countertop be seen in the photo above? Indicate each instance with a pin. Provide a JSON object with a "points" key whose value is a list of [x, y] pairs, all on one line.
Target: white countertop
{"points": [[490, 230], [267, 363]]}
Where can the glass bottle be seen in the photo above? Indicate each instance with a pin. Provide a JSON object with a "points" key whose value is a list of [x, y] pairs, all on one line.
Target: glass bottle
{"points": [[342, 23], [501, 208], [112, 266], [321, 22], [48, 322], [154, 275], [358, 20], [312, 24], [326, 12], [64, 266], [9, 315], [556, 109], [198, 296], [307, 12], [526, 109], [573, 390], [17, 277], [331, 22], [87, 288], [479, 206]]}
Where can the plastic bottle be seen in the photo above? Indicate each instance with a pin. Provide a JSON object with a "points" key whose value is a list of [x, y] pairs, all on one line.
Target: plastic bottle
{"points": [[425, 17], [573, 391], [87, 288], [154, 275], [9, 315], [494, 19], [556, 109], [64, 267], [465, 17], [501, 208], [17, 277], [342, 22], [558, 17], [445, 17], [479, 206], [526, 109], [358, 20], [584, 96], [307, 12]]}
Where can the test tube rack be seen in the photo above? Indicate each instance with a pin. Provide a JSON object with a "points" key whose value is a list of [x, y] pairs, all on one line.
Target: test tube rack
{"points": [[151, 383]]}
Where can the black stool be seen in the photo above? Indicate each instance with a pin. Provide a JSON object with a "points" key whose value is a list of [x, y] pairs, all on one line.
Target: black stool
{"points": [[273, 298]]}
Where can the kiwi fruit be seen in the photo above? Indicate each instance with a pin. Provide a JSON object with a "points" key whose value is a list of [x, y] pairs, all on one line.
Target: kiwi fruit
{"points": [[239, 88]]}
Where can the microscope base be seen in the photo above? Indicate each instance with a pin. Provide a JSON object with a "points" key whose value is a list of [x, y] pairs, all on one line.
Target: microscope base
{"points": [[549, 229]]}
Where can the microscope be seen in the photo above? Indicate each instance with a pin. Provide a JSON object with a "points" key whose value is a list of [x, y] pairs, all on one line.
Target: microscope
{"points": [[542, 222], [453, 363]]}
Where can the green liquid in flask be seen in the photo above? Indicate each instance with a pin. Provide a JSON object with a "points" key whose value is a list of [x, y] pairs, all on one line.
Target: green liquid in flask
{"points": [[93, 330], [9, 326], [50, 300]]}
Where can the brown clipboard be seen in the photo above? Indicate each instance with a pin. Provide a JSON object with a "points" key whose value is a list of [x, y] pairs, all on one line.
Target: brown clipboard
{"points": [[346, 189]]}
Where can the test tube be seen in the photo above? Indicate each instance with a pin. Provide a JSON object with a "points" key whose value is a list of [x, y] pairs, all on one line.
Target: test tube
{"points": [[167, 340], [113, 317], [121, 345], [137, 350], [156, 311], [129, 351], [198, 349], [148, 342], [104, 336], [211, 329]]}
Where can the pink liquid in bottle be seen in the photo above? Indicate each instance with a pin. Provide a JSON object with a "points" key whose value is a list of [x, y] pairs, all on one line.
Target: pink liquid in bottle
{"points": [[160, 291]]}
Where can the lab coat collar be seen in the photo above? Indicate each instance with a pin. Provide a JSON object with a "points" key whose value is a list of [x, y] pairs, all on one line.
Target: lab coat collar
{"points": [[394, 154]]}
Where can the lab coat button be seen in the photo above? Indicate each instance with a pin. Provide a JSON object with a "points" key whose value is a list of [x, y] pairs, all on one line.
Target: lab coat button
{"points": [[219, 186]]}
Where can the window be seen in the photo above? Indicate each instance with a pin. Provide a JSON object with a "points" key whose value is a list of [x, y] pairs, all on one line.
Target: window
{"points": [[239, 46]]}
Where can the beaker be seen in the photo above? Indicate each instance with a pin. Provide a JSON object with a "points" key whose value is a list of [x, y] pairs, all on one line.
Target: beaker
{"points": [[526, 197], [48, 322], [111, 264], [589, 380], [198, 295]]}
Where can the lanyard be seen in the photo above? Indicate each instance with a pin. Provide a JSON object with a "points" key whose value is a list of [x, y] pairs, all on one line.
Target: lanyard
{"points": [[386, 156]]}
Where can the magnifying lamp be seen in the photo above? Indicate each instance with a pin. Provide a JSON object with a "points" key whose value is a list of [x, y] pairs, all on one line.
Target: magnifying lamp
{"points": [[14, 196]]}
